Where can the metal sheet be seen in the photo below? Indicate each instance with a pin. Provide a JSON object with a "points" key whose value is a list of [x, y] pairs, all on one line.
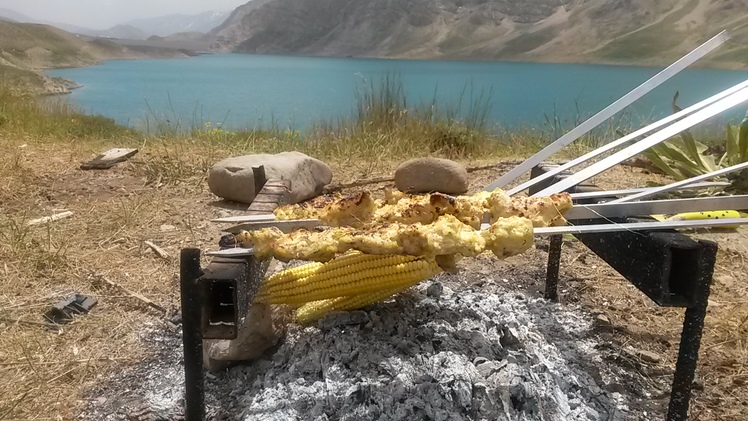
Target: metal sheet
{"points": [[659, 137], [626, 139], [610, 110]]}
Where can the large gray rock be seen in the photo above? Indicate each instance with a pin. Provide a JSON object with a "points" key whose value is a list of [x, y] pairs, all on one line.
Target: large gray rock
{"points": [[423, 175], [265, 326], [233, 179]]}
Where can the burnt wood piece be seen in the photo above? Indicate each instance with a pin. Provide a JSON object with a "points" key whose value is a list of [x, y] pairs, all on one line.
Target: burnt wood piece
{"points": [[273, 193], [109, 159]]}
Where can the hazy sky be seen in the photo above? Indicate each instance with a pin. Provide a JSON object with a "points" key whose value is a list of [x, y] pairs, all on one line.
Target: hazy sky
{"points": [[102, 14]]}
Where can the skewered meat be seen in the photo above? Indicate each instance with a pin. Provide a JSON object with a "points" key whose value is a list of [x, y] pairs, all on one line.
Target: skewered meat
{"points": [[446, 236], [361, 210]]}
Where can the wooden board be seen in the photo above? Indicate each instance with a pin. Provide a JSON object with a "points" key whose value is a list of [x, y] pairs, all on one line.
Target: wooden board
{"points": [[109, 159], [273, 193]]}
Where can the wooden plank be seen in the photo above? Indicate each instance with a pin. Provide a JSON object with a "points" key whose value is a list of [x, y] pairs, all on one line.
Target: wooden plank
{"points": [[273, 193], [109, 159]]}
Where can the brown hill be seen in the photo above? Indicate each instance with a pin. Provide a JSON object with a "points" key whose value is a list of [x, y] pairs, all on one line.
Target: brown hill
{"points": [[609, 31]]}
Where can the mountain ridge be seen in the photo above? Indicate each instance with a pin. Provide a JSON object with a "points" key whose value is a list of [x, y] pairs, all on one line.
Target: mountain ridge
{"points": [[646, 32]]}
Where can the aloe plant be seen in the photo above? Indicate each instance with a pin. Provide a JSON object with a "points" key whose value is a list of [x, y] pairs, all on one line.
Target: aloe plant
{"points": [[685, 157]]}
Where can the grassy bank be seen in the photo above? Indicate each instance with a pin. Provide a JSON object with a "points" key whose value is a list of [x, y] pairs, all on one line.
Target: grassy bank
{"points": [[160, 195]]}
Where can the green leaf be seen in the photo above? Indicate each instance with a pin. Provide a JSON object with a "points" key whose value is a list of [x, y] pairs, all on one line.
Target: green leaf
{"points": [[732, 148], [743, 139], [676, 108], [661, 164]]}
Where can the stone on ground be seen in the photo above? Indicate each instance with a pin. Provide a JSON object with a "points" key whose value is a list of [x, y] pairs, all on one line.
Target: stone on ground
{"points": [[233, 179], [422, 175]]}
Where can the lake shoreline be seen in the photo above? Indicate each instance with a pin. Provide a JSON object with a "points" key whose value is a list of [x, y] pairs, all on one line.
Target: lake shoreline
{"points": [[297, 92]]}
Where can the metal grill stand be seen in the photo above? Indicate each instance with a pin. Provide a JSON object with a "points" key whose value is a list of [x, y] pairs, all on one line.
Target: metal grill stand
{"points": [[670, 268]]}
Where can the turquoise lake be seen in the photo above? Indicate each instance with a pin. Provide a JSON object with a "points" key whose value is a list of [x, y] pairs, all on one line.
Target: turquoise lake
{"points": [[250, 91]]}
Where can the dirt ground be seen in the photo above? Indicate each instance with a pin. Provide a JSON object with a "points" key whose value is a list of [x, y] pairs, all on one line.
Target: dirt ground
{"points": [[47, 371]]}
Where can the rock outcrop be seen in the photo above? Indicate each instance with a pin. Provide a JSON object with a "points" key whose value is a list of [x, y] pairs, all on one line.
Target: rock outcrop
{"points": [[233, 178], [422, 175]]}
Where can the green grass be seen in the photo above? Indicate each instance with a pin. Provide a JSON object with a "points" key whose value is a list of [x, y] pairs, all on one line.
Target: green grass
{"points": [[383, 130]]}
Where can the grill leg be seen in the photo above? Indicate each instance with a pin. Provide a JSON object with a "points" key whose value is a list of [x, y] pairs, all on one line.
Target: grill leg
{"points": [[554, 263], [690, 340], [194, 386]]}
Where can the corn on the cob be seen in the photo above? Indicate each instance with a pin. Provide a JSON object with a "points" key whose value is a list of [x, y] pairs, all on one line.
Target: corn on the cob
{"points": [[370, 275], [310, 312], [291, 275]]}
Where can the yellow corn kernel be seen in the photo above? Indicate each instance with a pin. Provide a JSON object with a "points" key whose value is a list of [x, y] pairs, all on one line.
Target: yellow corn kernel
{"points": [[309, 269], [339, 267], [387, 272], [311, 312]]}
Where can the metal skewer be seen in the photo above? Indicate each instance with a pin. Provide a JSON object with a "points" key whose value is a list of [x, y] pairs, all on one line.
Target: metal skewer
{"points": [[626, 139], [613, 193], [678, 184], [659, 137], [610, 110], [571, 229]]}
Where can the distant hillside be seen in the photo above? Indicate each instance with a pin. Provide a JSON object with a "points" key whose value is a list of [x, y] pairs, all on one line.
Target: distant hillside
{"points": [[604, 31], [178, 23], [26, 48]]}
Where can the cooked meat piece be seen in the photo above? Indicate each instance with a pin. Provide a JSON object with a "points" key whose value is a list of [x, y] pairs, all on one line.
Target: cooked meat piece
{"points": [[542, 211], [360, 210], [509, 236], [446, 236]]}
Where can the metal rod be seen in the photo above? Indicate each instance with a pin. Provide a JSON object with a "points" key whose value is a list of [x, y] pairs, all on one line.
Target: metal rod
{"points": [[611, 193], [655, 207], [261, 221], [194, 383], [610, 110], [679, 184], [690, 340], [570, 229], [659, 137], [626, 139], [554, 264]]}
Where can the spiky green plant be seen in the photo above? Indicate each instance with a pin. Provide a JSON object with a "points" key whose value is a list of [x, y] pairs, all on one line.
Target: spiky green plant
{"points": [[685, 157]]}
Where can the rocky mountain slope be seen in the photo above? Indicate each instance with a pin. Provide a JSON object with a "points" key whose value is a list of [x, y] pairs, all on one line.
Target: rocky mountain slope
{"points": [[26, 48], [177, 23], [607, 31]]}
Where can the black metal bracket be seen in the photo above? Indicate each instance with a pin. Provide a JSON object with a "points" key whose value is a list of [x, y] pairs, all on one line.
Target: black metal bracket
{"points": [[670, 268], [228, 287]]}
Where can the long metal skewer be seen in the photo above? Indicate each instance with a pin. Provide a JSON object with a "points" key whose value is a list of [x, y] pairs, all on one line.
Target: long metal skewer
{"points": [[614, 193], [610, 110], [679, 184], [659, 137], [580, 229], [626, 139]]}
